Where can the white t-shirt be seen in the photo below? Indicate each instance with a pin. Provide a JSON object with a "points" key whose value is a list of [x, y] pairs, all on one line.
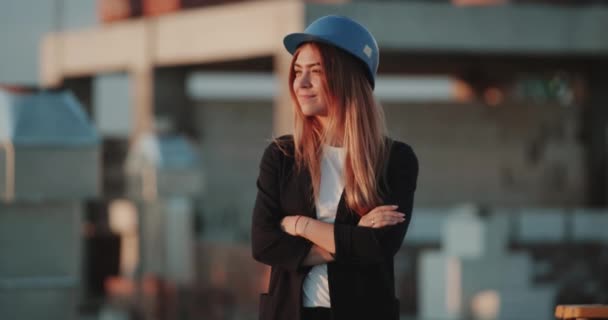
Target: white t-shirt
{"points": [[316, 288]]}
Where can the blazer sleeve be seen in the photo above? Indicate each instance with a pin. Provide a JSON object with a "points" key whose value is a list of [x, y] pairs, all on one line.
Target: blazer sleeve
{"points": [[364, 245], [269, 244]]}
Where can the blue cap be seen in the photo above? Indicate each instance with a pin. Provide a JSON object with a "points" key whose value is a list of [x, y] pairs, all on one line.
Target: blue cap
{"points": [[344, 33]]}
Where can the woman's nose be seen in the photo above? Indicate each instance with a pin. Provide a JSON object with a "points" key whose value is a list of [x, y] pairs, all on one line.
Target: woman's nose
{"points": [[304, 80]]}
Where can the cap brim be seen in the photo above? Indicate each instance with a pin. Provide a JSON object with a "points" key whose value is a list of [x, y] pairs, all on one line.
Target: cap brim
{"points": [[293, 40]]}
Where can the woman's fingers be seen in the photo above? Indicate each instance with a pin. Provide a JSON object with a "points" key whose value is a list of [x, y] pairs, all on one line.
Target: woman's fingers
{"points": [[385, 218], [391, 214], [383, 208], [382, 216], [388, 215]]}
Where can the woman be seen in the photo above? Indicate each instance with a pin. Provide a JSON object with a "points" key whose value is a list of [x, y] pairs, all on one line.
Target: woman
{"points": [[335, 199]]}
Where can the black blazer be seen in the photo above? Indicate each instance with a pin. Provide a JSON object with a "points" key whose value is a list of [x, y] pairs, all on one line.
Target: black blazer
{"points": [[361, 279]]}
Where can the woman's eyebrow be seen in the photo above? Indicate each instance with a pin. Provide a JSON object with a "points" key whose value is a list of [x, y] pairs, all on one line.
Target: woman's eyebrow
{"points": [[310, 65]]}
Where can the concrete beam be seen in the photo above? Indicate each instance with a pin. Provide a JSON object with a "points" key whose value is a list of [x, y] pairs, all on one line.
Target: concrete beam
{"points": [[206, 35], [109, 48], [221, 33]]}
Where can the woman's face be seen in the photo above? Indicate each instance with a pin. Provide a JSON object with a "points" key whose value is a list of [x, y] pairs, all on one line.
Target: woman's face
{"points": [[308, 82]]}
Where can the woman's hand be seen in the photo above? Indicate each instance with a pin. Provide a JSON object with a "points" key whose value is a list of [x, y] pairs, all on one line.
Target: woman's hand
{"points": [[382, 216]]}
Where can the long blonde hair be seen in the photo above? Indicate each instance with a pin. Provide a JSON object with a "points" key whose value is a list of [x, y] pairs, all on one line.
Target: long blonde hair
{"points": [[353, 111]]}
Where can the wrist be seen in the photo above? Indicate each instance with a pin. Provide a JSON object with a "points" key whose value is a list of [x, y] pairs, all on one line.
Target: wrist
{"points": [[295, 225], [303, 226]]}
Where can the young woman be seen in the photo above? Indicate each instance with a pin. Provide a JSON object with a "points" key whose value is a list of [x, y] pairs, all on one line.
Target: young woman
{"points": [[335, 199]]}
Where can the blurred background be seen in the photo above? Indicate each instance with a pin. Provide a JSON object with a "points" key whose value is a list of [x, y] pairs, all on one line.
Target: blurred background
{"points": [[131, 133]]}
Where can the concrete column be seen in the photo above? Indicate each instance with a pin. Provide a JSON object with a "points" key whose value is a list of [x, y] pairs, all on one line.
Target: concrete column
{"points": [[50, 61], [142, 84], [595, 134], [283, 109]]}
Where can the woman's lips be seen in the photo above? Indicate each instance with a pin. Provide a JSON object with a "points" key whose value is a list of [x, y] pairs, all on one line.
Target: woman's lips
{"points": [[307, 97]]}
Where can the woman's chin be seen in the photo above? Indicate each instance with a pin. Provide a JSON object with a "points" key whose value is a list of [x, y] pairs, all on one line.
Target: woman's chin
{"points": [[311, 112]]}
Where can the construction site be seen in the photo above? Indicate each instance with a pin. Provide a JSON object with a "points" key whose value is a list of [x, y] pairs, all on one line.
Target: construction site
{"points": [[131, 133]]}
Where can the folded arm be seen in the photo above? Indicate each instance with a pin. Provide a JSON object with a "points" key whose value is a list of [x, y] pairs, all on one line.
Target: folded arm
{"points": [[380, 233], [269, 244]]}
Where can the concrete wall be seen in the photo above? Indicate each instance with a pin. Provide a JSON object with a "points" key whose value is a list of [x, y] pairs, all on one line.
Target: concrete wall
{"points": [[511, 28], [233, 137], [516, 155]]}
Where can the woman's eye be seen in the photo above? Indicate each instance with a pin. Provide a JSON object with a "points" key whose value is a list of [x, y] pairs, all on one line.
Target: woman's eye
{"points": [[316, 71], [297, 72]]}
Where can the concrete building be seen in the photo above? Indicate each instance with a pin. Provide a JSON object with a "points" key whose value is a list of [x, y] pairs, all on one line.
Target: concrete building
{"points": [[504, 105]]}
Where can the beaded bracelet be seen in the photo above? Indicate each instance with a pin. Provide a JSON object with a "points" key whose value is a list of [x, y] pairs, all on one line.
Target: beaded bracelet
{"points": [[305, 226]]}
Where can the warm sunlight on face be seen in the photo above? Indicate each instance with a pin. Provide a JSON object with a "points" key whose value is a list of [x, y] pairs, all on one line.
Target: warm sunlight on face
{"points": [[308, 82]]}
